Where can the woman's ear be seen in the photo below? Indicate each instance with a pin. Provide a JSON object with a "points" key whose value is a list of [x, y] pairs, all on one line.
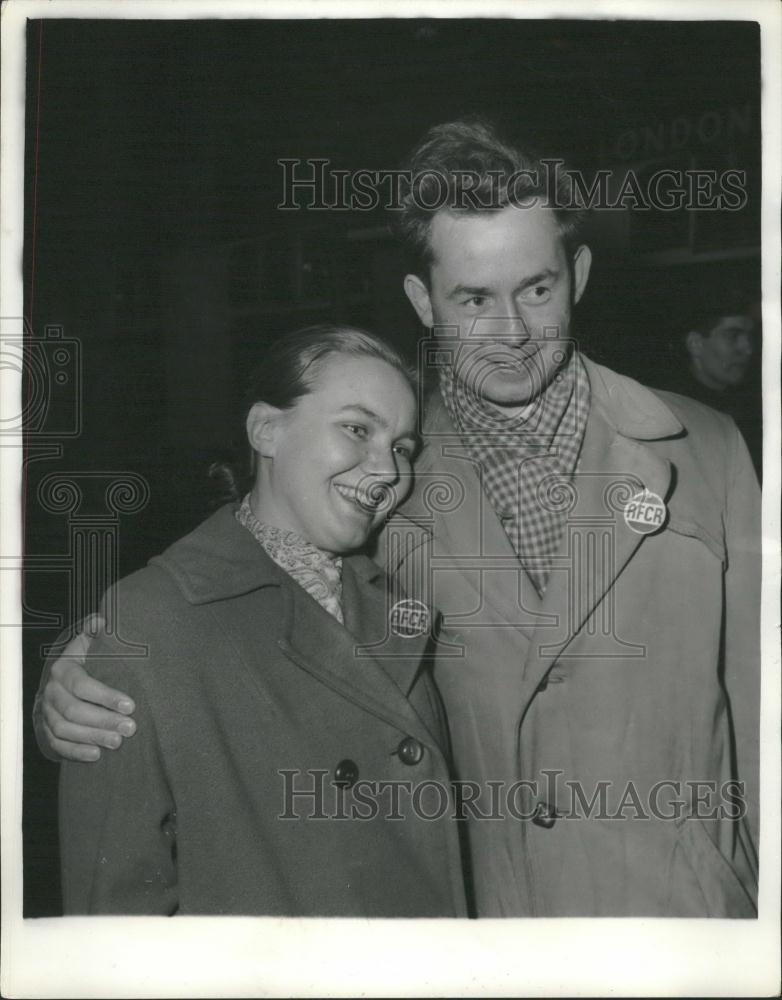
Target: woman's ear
{"points": [[263, 423]]}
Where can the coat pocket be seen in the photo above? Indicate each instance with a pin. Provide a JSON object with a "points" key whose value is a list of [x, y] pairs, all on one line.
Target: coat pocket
{"points": [[693, 529], [724, 892]]}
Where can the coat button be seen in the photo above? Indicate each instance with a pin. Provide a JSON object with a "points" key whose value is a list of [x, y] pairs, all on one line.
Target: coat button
{"points": [[545, 815], [346, 773], [410, 751]]}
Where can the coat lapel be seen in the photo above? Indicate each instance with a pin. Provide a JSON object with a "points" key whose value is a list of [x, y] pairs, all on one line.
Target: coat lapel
{"points": [[470, 537], [221, 560], [359, 660], [598, 543]]}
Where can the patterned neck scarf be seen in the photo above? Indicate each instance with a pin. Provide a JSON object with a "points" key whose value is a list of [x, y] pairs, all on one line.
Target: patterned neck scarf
{"points": [[525, 457], [318, 572]]}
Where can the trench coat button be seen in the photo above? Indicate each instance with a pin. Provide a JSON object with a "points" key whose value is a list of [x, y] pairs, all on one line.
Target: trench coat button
{"points": [[346, 773], [410, 751], [545, 815]]}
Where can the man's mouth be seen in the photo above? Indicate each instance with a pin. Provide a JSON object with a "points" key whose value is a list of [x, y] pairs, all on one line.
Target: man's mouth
{"points": [[519, 363]]}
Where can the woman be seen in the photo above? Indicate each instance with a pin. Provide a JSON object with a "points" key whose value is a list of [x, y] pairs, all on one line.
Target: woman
{"points": [[273, 751]]}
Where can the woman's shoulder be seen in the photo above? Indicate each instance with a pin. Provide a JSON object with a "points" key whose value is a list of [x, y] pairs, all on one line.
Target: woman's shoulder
{"points": [[219, 559]]}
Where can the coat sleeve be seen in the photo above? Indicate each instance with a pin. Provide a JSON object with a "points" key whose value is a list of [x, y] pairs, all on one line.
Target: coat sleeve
{"points": [[117, 815], [57, 649], [742, 621]]}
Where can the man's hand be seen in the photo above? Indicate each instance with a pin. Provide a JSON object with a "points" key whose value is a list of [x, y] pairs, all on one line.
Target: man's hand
{"points": [[74, 714]]}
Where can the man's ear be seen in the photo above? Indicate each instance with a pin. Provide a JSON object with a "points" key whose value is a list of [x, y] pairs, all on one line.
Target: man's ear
{"points": [[263, 423], [582, 263], [694, 343], [418, 293]]}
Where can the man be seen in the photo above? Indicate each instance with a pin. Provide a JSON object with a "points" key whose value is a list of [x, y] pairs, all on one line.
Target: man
{"points": [[720, 342], [720, 349], [591, 547]]}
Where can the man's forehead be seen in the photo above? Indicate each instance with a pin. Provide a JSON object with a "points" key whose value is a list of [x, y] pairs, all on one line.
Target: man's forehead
{"points": [[483, 239], [734, 324]]}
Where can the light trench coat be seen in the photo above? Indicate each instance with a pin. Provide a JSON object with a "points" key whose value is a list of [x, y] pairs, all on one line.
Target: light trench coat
{"points": [[634, 678]]}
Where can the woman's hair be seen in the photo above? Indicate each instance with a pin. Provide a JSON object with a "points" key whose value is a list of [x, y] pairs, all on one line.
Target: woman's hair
{"points": [[289, 370]]}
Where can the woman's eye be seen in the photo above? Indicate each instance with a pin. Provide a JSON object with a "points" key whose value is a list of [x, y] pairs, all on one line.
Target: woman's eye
{"points": [[357, 430], [404, 450]]}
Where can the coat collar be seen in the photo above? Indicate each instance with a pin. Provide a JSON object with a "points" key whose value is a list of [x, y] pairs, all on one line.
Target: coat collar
{"points": [[616, 458], [629, 407], [220, 559]]}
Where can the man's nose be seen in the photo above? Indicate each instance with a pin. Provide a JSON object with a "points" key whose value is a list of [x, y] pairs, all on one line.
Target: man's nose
{"points": [[744, 345], [508, 327]]}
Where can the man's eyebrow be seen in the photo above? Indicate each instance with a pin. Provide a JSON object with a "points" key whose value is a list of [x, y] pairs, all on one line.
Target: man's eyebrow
{"points": [[484, 291], [540, 276], [460, 290]]}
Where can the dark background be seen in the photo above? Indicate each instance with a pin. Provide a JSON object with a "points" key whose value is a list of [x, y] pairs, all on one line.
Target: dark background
{"points": [[157, 263]]}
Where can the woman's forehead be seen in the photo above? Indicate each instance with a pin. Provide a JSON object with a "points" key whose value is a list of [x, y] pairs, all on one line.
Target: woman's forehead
{"points": [[372, 383]]}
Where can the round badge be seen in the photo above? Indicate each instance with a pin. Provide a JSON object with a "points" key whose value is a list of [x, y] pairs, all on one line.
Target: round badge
{"points": [[645, 513], [409, 618]]}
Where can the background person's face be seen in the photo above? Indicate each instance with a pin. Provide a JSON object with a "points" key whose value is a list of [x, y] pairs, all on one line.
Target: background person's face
{"points": [[721, 359], [504, 280], [326, 462]]}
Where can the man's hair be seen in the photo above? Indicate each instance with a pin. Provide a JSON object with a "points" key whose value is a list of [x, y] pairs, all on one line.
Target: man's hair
{"points": [[444, 168], [719, 303]]}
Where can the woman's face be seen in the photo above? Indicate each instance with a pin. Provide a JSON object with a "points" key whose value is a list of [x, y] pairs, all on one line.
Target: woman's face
{"points": [[334, 465]]}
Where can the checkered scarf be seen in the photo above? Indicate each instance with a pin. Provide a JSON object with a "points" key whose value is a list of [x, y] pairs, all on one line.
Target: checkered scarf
{"points": [[318, 572], [524, 457]]}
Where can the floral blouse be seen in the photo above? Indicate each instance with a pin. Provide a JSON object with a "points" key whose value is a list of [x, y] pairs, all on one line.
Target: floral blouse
{"points": [[317, 571]]}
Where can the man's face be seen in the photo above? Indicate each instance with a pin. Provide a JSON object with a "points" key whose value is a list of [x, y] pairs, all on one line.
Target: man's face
{"points": [[720, 360], [503, 280]]}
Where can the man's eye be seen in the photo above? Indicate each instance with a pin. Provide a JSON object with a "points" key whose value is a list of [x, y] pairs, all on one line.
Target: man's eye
{"points": [[475, 301], [537, 293]]}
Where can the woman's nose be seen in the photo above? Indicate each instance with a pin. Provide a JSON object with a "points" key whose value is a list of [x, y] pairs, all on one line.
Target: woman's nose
{"points": [[381, 480], [381, 464]]}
